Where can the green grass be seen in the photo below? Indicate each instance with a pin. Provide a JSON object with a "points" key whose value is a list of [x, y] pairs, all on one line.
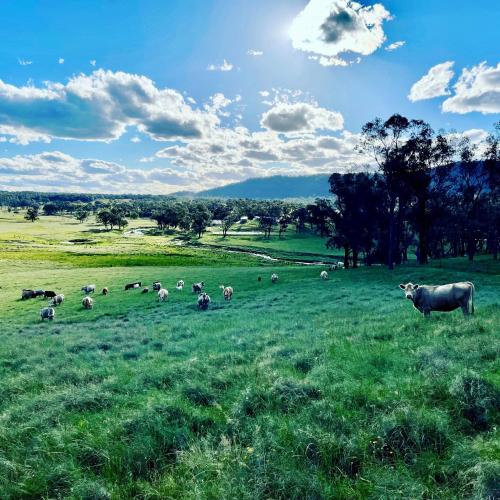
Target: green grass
{"points": [[301, 389], [306, 246]]}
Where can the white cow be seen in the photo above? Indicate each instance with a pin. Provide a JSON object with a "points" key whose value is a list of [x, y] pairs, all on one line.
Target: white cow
{"points": [[162, 295], [274, 278], [57, 300], [47, 313], [323, 275], [88, 302], [180, 285], [227, 291]]}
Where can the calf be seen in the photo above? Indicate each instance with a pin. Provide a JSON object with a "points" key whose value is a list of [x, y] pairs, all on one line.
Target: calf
{"points": [[88, 289], [162, 295], [427, 298], [105, 290], [57, 300], [323, 275], [49, 294], [129, 286], [180, 285], [87, 303], [274, 278], [156, 286], [198, 287], [47, 313], [203, 301], [145, 289]]}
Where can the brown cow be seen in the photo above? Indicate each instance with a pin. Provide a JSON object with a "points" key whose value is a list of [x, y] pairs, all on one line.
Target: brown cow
{"points": [[427, 298]]}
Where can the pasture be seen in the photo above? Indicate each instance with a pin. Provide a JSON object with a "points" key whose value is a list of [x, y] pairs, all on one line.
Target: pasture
{"points": [[299, 389]]}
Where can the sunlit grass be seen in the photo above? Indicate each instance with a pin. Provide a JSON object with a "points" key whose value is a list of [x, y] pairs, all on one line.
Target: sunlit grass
{"points": [[300, 389]]}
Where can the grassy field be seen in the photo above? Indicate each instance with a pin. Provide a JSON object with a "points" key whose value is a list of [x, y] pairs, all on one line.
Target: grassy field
{"points": [[301, 389]]}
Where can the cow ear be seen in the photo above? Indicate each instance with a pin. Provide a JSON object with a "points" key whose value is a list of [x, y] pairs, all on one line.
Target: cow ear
{"points": [[402, 286], [415, 287]]}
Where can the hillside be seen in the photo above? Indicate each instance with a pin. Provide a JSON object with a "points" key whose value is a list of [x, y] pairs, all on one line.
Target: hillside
{"points": [[274, 187]]}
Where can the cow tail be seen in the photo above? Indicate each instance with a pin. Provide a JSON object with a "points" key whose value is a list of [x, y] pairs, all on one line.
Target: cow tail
{"points": [[470, 305]]}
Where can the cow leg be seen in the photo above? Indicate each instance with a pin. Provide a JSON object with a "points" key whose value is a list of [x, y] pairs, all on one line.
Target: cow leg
{"points": [[427, 313]]}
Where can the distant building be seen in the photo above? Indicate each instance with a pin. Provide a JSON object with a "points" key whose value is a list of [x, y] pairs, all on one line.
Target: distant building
{"points": [[216, 222]]}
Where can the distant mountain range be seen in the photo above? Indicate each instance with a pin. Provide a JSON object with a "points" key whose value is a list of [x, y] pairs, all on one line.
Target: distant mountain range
{"points": [[274, 187]]}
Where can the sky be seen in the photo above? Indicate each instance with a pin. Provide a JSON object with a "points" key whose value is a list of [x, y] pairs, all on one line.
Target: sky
{"points": [[156, 96]]}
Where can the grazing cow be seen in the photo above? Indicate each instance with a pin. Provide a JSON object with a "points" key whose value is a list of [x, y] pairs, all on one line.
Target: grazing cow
{"points": [[323, 275], [39, 293], [57, 300], [145, 289], [162, 295], [227, 291], [198, 287], [47, 313], [49, 294], [340, 265], [203, 301], [274, 278], [28, 294], [88, 289], [129, 286], [443, 298], [180, 285], [156, 286], [333, 267], [105, 290], [87, 303]]}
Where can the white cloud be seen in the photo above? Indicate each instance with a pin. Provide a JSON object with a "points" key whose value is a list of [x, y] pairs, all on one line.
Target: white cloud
{"points": [[255, 53], [477, 89], [99, 106], [301, 117], [92, 62], [328, 29], [24, 62], [395, 46], [434, 83], [264, 93], [56, 171], [135, 139], [60, 60], [225, 66]]}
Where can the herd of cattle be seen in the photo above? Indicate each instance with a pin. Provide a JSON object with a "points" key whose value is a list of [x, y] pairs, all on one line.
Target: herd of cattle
{"points": [[56, 299], [425, 298]]}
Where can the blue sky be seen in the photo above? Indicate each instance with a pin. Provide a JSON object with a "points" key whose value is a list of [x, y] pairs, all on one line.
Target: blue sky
{"points": [[159, 96]]}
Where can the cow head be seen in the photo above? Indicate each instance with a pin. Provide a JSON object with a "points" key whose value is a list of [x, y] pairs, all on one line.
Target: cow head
{"points": [[410, 290]]}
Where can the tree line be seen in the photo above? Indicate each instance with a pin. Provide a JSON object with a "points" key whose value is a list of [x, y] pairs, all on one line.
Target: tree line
{"points": [[433, 193]]}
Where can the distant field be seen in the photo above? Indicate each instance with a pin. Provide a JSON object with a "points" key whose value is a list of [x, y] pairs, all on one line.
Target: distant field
{"points": [[301, 389]]}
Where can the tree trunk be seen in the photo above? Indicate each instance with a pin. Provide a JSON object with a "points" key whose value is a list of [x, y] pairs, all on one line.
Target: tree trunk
{"points": [[354, 258], [346, 256], [422, 232], [390, 248]]}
